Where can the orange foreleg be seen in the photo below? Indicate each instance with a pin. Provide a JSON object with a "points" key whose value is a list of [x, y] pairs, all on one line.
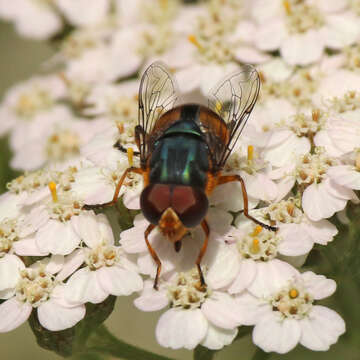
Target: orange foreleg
{"points": [[117, 189], [206, 229], [225, 179], [153, 254]]}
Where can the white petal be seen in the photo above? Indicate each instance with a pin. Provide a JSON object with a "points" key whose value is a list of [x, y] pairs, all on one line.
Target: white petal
{"points": [[71, 264], [248, 54], [83, 12], [245, 276], [28, 247], [318, 203], [188, 78], [131, 198], [219, 220], [13, 313], [87, 228], [212, 74], [295, 240], [224, 267], [235, 203], [117, 281], [151, 299], [345, 175], [303, 49], [270, 36], [7, 293], [271, 276], [322, 138], [54, 264], [287, 150], [321, 329], [318, 285], [322, 231], [275, 334], [216, 338], [261, 187], [253, 309], [10, 267], [57, 238], [331, 6], [83, 286], [179, 328], [37, 217], [220, 309], [341, 30], [55, 317], [133, 240]]}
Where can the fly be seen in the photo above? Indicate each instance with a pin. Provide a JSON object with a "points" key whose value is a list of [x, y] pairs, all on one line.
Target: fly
{"points": [[183, 150]]}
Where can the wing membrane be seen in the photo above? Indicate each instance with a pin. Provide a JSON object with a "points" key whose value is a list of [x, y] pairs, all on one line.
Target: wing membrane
{"points": [[157, 94], [233, 100]]}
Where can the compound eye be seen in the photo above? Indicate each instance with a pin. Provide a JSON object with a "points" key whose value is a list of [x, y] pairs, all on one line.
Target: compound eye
{"points": [[191, 205], [154, 200]]}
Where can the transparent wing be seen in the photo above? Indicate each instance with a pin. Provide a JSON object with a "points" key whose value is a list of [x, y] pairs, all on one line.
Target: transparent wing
{"points": [[233, 100], [157, 94]]}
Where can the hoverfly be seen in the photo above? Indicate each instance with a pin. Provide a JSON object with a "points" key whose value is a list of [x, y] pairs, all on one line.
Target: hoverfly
{"points": [[183, 150]]}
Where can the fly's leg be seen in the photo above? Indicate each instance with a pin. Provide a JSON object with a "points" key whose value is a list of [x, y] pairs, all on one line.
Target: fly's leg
{"points": [[117, 189], [229, 178], [206, 229], [153, 254]]}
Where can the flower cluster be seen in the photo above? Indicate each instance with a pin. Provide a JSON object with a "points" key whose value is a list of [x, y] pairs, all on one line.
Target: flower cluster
{"points": [[299, 156]]}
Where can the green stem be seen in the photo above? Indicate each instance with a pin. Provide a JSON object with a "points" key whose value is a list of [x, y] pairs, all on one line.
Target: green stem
{"points": [[260, 355], [103, 342]]}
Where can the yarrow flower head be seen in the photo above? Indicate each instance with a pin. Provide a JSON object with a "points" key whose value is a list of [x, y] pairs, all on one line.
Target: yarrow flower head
{"points": [[272, 174]]}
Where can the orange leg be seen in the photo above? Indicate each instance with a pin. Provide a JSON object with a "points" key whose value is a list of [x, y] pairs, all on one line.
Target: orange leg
{"points": [[206, 229], [229, 178], [153, 254], [117, 189]]}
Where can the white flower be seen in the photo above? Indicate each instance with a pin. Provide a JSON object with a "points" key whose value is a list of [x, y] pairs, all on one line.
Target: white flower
{"points": [[29, 106], [84, 12], [321, 196], [258, 249], [335, 89], [293, 137], [284, 314], [198, 315], [32, 18], [53, 222], [108, 270], [302, 30], [254, 171], [347, 175], [14, 238], [37, 288], [133, 242], [58, 146]]}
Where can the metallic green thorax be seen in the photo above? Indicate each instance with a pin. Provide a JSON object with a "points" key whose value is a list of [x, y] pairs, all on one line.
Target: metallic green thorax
{"points": [[181, 154]]}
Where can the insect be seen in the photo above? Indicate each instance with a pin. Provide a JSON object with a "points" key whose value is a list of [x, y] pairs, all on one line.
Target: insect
{"points": [[183, 150]]}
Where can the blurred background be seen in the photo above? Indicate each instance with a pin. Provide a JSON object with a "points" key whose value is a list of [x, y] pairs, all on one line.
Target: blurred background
{"points": [[19, 60]]}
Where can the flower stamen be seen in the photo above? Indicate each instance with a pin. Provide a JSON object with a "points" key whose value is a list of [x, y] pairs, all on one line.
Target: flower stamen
{"points": [[287, 7], [250, 152], [52, 188], [192, 38], [130, 155]]}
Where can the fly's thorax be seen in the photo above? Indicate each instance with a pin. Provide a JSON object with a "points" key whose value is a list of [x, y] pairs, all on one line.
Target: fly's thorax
{"points": [[180, 154]]}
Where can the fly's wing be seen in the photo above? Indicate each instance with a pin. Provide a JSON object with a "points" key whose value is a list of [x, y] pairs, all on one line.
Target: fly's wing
{"points": [[233, 100], [157, 94]]}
